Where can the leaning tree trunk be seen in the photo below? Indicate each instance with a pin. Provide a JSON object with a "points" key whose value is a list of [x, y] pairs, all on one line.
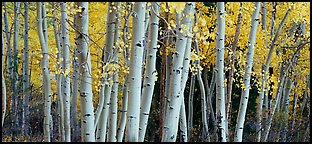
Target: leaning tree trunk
{"points": [[175, 96], [287, 93], [220, 96], [3, 86], [86, 103], [46, 74], [66, 70], [150, 71], [26, 86], [246, 86], [135, 72]]}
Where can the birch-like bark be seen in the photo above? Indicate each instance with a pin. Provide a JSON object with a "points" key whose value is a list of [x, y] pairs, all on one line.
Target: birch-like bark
{"points": [[108, 52], [150, 71], [75, 81], [46, 73], [294, 114], [249, 60], [87, 120], [59, 76], [123, 117], [111, 135], [220, 97], [66, 70], [3, 86], [265, 70], [277, 95], [25, 114], [175, 97], [135, 72]]}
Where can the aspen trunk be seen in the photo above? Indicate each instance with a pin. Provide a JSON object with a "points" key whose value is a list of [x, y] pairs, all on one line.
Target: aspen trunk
{"points": [[46, 73], [175, 98], [220, 97], [150, 72], [66, 70], [123, 117], [111, 135], [135, 74], [264, 84], [26, 85], [87, 120], [287, 93], [3, 86], [249, 60]]}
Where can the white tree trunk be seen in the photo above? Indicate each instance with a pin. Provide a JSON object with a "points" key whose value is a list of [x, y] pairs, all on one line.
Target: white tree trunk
{"points": [[46, 73], [123, 117], [87, 115], [111, 135], [26, 87], [220, 96], [135, 74], [175, 97], [150, 71], [287, 93], [249, 60], [66, 70], [3, 86]]}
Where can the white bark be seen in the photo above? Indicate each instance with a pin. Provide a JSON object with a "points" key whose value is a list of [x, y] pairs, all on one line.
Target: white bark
{"points": [[108, 52], [26, 86], [46, 73], [111, 135], [175, 97], [249, 60], [220, 96], [7, 38], [3, 86], [150, 71], [287, 93], [135, 74], [123, 117], [86, 95], [66, 70]]}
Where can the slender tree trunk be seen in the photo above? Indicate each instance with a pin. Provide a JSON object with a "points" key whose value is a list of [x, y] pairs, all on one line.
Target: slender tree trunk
{"points": [[66, 70], [123, 117], [150, 71], [220, 99], [249, 60], [190, 108], [7, 38], [46, 73], [175, 98], [231, 74], [111, 135], [87, 120], [287, 93], [133, 115], [3, 86], [265, 70], [26, 85], [75, 83]]}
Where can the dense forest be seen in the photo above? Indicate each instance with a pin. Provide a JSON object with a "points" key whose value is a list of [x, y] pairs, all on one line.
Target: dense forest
{"points": [[155, 71]]}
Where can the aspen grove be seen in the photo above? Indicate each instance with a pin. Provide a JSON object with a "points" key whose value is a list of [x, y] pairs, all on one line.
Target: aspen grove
{"points": [[155, 71]]}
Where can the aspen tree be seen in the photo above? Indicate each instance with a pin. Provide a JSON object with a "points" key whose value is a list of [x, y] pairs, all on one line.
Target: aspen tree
{"points": [[106, 91], [7, 38], [26, 85], [46, 73], [135, 72], [66, 70], [266, 69], [175, 97], [111, 135], [288, 87], [220, 96], [249, 60], [150, 71], [3, 86], [87, 115]]}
